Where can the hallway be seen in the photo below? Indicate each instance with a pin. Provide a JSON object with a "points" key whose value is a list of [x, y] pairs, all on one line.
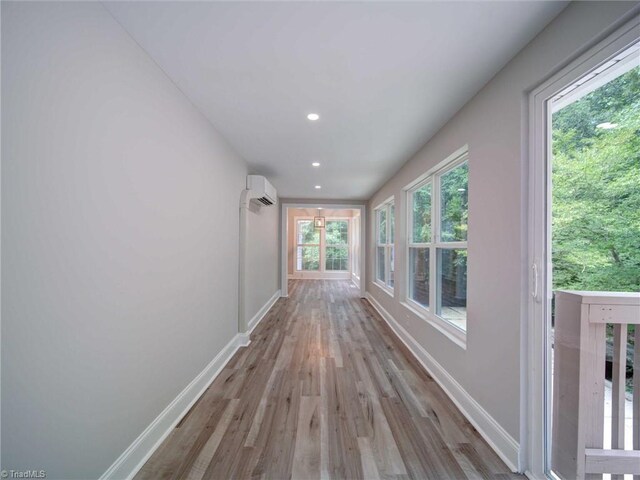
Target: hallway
{"points": [[325, 390]]}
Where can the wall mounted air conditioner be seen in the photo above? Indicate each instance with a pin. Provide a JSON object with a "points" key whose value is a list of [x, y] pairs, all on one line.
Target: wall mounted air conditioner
{"points": [[261, 191]]}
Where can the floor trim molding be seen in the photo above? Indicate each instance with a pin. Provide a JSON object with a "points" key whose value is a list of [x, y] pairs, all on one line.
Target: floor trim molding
{"points": [[497, 437], [257, 318], [136, 455], [319, 276]]}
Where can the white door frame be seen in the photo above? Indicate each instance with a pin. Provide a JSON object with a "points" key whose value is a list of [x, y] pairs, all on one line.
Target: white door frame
{"points": [[535, 398], [284, 237]]}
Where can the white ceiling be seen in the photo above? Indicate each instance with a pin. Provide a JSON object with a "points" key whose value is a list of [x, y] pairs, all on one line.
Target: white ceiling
{"points": [[384, 77]]}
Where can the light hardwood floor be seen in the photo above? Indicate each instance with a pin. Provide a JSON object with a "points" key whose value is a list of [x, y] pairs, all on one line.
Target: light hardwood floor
{"points": [[325, 390]]}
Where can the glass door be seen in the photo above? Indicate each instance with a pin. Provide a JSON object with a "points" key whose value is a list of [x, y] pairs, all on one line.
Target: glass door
{"points": [[594, 243]]}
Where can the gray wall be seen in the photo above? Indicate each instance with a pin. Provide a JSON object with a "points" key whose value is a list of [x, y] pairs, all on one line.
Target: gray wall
{"points": [[263, 250], [493, 125], [119, 239]]}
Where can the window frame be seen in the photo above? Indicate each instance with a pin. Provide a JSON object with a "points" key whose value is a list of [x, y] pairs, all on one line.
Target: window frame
{"points": [[423, 245], [388, 245], [347, 246], [298, 244], [433, 177], [322, 247], [355, 258]]}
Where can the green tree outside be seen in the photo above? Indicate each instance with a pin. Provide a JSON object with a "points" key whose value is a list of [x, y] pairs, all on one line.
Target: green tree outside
{"points": [[596, 193], [596, 189]]}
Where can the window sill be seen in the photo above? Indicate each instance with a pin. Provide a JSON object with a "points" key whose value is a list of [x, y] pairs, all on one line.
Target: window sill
{"points": [[457, 336], [386, 289]]}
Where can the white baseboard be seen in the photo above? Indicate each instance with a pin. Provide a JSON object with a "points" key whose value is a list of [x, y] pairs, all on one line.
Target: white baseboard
{"points": [[135, 456], [257, 318], [497, 437], [319, 276], [533, 476]]}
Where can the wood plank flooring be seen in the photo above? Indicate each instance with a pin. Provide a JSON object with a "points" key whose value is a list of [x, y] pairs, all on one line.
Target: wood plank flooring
{"points": [[325, 390]]}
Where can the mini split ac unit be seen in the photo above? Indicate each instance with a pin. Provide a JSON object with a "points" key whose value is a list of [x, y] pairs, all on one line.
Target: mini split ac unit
{"points": [[261, 191]]}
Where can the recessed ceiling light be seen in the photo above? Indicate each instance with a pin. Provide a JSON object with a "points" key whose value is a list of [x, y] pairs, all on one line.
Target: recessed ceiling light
{"points": [[313, 117], [318, 187], [315, 164], [607, 125]]}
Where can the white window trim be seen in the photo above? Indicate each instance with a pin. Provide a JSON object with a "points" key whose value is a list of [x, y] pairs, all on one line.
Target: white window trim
{"points": [[535, 392], [286, 208], [321, 247], [323, 239], [453, 333], [384, 285], [298, 245], [432, 176], [355, 257]]}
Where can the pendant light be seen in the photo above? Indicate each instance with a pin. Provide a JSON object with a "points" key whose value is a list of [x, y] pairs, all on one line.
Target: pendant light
{"points": [[318, 221]]}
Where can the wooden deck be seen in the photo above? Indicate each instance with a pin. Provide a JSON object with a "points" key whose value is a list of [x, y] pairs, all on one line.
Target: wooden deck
{"points": [[325, 390]]}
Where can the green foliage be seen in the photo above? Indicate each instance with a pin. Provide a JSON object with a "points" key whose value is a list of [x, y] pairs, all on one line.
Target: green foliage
{"points": [[596, 190], [337, 232], [454, 207], [582, 117], [382, 225], [392, 222], [422, 215], [454, 204], [337, 257], [308, 232], [310, 258], [336, 239]]}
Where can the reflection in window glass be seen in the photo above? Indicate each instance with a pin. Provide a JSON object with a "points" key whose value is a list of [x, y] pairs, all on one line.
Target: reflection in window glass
{"points": [[337, 249], [454, 207], [392, 222], [385, 261], [382, 226], [422, 215], [391, 280], [337, 258], [419, 275], [381, 274], [337, 232], [308, 258], [452, 286], [438, 216], [308, 248], [307, 232]]}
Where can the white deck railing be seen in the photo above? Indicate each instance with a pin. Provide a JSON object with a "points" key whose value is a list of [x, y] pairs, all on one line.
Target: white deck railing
{"points": [[579, 381]]}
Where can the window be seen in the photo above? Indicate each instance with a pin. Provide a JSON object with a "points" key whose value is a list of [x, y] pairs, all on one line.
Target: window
{"points": [[356, 246], [308, 246], [419, 244], [437, 242], [385, 262], [337, 245], [323, 250]]}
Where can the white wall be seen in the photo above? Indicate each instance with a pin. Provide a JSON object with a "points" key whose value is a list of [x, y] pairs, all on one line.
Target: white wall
{"points": [[119, 239], [493, 125]]}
